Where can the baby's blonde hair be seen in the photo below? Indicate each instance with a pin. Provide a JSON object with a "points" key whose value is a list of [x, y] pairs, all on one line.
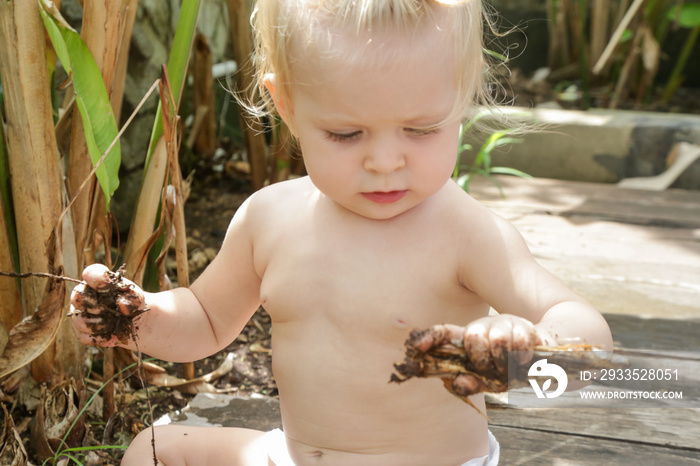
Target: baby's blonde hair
{"points": [[286, 28]]}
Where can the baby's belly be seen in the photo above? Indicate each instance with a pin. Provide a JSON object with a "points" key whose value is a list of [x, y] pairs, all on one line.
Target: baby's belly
{"points": [[339, 408]]}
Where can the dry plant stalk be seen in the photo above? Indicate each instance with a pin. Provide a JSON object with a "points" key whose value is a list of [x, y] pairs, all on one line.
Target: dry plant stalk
{"points": [[35, 170], [175, 195], [203, 95], [239, 18]]}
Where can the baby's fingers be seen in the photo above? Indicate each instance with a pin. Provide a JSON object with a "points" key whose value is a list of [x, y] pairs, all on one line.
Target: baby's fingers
{"points": [[81, 300], [467, 385], [437, 335], [525, 338], [478, 344], [97, 277], [83, 325]]}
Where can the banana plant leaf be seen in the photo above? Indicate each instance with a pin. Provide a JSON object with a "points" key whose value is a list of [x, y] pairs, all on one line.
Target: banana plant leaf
{"points": [[91, 97], [177, 64]]}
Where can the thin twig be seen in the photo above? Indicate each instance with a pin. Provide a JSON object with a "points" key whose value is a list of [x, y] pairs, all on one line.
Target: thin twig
{"points": [[40, 274], [139, 370], [615, 39]]}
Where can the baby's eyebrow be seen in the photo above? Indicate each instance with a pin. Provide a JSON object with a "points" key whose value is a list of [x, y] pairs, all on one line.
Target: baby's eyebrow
{"points": [[332, 119], [427, 123], [419, 122]]}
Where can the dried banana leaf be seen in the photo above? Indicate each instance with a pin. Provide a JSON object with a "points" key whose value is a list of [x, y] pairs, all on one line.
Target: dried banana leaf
{"points": [[12, 452], [29, 338], [58, 417]]}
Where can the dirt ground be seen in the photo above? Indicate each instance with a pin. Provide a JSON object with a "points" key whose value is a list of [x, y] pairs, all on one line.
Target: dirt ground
{"points": [[526, 91]]}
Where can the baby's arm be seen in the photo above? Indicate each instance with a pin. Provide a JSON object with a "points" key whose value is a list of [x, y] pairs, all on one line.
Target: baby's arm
{"points": [[186, 324], [535, 308], [501, 270]]}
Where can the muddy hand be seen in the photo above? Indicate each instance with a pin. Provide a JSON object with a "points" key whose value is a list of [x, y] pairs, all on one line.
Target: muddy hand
{"points": [[487, 343], [103, 309]]}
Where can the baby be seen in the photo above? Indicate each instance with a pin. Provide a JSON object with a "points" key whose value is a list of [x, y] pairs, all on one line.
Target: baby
{"points": [[376, 241]]}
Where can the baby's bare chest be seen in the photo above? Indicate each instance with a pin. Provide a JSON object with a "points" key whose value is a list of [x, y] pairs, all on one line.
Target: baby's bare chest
{"points": [[366, 283]]}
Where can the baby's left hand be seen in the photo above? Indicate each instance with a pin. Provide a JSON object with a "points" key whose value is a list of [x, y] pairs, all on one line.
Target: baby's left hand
{"points": [[487, 341]]}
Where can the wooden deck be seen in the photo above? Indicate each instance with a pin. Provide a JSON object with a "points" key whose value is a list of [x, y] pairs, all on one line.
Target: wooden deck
{"points": [[636, 256]]}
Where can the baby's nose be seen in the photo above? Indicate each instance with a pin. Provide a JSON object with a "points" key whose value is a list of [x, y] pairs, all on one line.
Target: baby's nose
{"points": [[385, 157]]}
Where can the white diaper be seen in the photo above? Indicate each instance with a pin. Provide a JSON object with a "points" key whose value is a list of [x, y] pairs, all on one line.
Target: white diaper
{"points": [[492, 458], [276, 443]]}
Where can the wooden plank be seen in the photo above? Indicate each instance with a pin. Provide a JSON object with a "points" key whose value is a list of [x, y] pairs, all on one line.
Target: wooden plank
{"points": [[656, 334], [541, 448], [568, 198], [636, 256], [626, 251], [676, 427]]}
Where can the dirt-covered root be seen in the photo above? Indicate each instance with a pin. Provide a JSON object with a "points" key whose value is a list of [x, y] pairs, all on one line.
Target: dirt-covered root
{"points": [[455, 366], [451, 363], [111, 303]]}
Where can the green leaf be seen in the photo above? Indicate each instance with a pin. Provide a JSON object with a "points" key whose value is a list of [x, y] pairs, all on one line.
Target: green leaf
{"points": [[626, 36], [689, 16], [499, 56], [91, 97], [177, 70], [463, 182], [510, 171], [481, 114], [495, 140], [95, 448], [177, 64]]}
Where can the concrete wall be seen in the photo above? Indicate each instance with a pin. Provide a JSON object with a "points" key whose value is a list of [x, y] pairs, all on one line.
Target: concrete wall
{"points": [[596, 145]]}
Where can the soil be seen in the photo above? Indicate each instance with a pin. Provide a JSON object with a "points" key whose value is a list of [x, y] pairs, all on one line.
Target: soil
{"points": [[523, 90], [116, 302]]}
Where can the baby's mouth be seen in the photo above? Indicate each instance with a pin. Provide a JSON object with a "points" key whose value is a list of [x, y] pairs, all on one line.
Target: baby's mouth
{"points": [[385, 197]]}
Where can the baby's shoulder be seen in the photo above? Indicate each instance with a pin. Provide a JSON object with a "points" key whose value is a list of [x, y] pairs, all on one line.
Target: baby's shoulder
{"points": [[462, 209], [277, 200], [469, 218]]}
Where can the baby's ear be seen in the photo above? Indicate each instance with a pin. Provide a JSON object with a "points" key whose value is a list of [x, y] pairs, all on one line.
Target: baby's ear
{"points": [[282, 104]]}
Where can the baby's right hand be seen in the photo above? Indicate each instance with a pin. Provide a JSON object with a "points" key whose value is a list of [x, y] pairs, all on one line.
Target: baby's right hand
{"points": [[104, 308]]}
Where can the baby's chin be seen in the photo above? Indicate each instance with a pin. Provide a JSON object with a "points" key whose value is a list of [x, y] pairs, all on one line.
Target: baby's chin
{"points": [[375, 211]]}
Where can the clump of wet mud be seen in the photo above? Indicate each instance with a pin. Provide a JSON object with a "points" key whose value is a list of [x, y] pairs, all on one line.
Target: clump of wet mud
{"points": [[116, 302], [447, 361]]}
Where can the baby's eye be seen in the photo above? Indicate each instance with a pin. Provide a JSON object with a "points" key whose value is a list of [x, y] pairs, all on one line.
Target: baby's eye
{"points": [[422, 132], [342, 137]]}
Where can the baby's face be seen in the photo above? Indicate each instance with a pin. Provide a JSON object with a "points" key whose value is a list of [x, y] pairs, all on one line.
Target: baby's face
{"points": [[368, 132]]}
